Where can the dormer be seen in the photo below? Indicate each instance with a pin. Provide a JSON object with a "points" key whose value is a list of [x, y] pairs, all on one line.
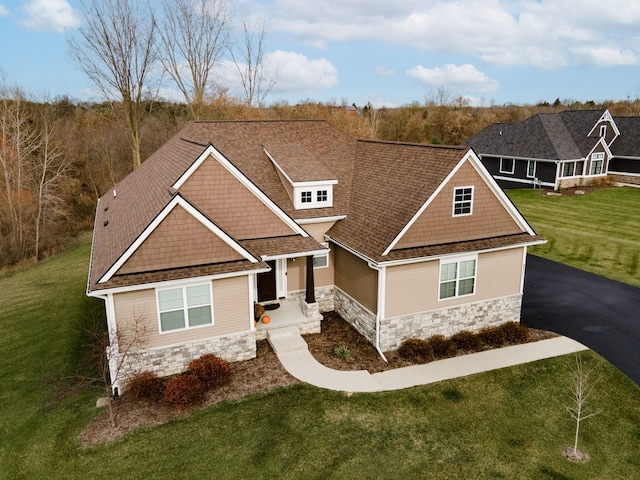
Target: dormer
{"points": [[306, 178], [605, 128]]}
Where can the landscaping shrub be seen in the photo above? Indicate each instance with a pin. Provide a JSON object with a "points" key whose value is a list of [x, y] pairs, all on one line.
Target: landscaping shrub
{"points": [[493, 336], [515, 332], [466, 340], [341, 351], [211, 370], [443, 347], [184, 391], [419, 351], [145, 385]]}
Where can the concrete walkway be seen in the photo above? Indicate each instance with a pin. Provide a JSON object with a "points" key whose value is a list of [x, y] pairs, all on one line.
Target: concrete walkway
{"points": [[293, 353]]}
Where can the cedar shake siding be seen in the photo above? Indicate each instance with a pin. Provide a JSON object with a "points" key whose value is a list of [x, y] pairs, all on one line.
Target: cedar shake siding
{"points": [[356, 279], [219, 195], [437, 224], [414, 287], [231, 313], [179, 241]]}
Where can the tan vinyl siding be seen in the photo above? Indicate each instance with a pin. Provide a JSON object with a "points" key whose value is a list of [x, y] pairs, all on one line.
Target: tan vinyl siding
{"points": [[230, 313], [355, 278], [221, 196], [179, 241], [296, 274], [437, 224], [414, 288]]}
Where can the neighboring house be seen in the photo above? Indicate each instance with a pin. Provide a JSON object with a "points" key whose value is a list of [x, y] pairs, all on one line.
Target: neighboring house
{"points": [[402, 240], [566, 149]]}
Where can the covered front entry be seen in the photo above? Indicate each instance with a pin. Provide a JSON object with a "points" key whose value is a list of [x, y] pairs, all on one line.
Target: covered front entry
{"points": [[267, 284]]}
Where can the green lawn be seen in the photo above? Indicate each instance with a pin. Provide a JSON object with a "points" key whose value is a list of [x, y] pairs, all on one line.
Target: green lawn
{"points": [[509, 423], [598, 232]]}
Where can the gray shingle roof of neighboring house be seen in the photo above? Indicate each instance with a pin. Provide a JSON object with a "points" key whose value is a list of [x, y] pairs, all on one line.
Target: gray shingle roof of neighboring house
{"points": [[552, 136], [628, 143]]}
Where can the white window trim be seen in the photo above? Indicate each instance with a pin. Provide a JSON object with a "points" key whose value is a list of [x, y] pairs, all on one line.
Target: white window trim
{"points": [[535, 168], [185, 307], [457, 261], [575, 166], [603, 131], [314, 190], [320, 255], [513, 166], [453, 210]]}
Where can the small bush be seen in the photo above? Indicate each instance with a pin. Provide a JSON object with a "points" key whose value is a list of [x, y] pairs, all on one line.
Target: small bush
{"points": [[341, 351], [466, 340], [212, 371], [184, 391], [515, 332], [443, 347], [492, 336], [145, 386], [418, 351]]}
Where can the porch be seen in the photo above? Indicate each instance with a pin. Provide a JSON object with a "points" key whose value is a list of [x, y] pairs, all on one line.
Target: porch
{"points": [[289, 313]]}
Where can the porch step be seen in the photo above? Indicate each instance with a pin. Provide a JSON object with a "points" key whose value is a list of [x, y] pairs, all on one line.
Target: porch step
{"points": [[286, 340]]}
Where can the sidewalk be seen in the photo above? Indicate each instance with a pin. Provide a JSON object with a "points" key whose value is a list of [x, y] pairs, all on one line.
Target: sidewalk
{"points": [[294, 355]]}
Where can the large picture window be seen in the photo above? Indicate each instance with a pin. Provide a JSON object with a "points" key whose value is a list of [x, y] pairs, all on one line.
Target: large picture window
{"points": [[597, 159], [457, 278], [463, 201], [185, 307]]}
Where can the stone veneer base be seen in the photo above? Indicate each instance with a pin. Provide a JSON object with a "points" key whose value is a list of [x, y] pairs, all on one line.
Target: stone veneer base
{"points": [[446, 321], [171, 360]]}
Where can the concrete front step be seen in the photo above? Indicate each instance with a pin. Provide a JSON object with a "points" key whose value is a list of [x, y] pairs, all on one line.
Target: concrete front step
{"points": [[286, 340]]}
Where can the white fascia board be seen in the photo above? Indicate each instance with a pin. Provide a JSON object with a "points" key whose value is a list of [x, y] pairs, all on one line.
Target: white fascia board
{"points": [[527, 181], [498, 157], [176, 283], [425, 205], [350, 250], [176, 201], [606, 149], [409, 261], [244, 180], [309, 221], [294, 255], [278, 167]]}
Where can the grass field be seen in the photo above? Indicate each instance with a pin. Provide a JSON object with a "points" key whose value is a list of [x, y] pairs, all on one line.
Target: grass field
{"points": [[509, 423], [598, 232]]}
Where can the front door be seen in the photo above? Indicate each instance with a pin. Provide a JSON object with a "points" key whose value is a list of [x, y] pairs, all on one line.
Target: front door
{"points": [[267, 283]]}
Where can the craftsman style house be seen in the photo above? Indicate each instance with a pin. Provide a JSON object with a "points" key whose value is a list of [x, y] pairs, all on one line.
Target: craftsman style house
{"points": [[566, 149], [402, 240]]}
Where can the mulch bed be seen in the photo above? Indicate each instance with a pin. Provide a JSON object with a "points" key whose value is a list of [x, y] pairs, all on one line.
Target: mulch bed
{"points": [[258, 375]]}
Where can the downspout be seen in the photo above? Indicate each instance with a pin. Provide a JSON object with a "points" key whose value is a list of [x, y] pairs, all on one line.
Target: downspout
{"points": [[382, 280]]}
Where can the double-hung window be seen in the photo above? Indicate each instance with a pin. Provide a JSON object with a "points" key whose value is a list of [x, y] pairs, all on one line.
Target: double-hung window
{"points": [[531, 169], [457, 278], [568, 170], [462, 201], [185, 307]]}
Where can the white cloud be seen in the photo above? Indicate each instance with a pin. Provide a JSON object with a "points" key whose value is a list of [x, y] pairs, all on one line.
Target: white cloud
{"points": [[547, 34], [463, 77], [55, 15], [3, 11], [385, 72], [298, 73]]}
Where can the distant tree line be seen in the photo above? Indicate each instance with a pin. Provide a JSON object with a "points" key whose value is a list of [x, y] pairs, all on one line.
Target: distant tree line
{"points": [[58, 156]]}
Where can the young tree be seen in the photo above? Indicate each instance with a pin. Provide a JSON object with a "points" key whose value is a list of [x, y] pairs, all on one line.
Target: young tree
{"points": [[193, 35], [582, 385], [248, 58], [116, 49]]}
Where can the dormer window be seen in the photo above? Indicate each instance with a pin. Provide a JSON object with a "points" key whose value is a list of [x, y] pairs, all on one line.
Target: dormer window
{"points": [[322, 196], [305, 197]]}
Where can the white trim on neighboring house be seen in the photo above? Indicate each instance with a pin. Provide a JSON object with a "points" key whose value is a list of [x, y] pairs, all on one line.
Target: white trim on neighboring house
{"points": [[475, 162], [177, 200], [528, 181], [506, 170], [606, 117], [242, 178], [535, 169], [611, 172]]}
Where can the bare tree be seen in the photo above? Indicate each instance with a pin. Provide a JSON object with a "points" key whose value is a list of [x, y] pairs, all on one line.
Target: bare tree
{"points": [[582, 385], [50, 168], [116, 50], [248, 58], [193, 35]]}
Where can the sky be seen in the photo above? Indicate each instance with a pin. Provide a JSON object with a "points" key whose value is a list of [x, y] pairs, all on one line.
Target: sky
{"points": [[387, 53]]}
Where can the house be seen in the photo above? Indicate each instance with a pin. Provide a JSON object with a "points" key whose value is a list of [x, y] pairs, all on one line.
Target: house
{"points": [[402, 240], [565, 149]]}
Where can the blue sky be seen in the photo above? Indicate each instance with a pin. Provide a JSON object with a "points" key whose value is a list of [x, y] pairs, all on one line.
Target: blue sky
{"points": [[385, 52]]}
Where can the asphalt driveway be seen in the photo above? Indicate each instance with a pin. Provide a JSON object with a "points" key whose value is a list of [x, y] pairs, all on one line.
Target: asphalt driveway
{"points": [[600, 313]]}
